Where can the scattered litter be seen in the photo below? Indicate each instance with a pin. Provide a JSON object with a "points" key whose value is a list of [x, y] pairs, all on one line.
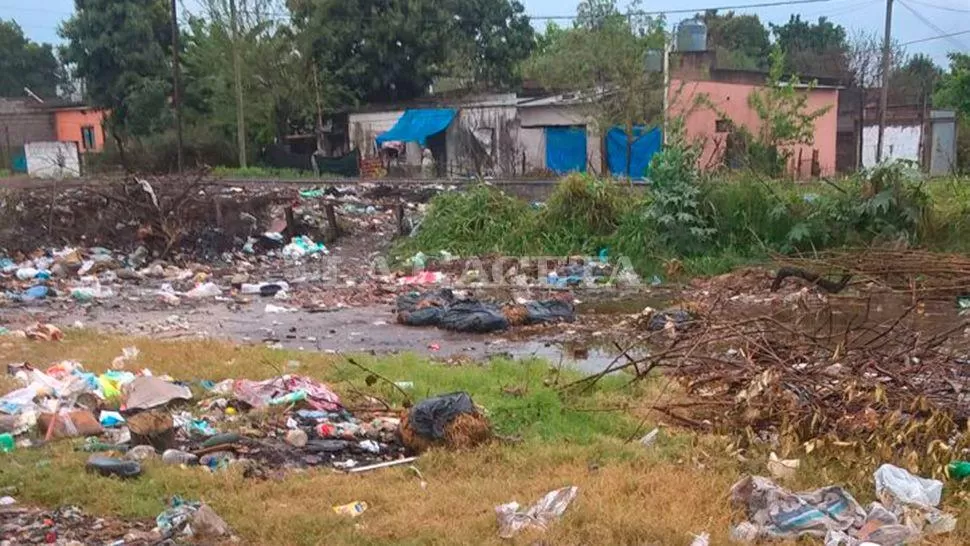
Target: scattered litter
{"points": [[897, 485], [303, 246], [832, 514], [352, 510], [277, 309], [451, 420], [703, 539], [958, 470], [44, 332], [650, 438], [141, 453], [191, 519], [204, 290], [443, 309], [782, 469], [424, 277], [151, 392], [549, 509]]}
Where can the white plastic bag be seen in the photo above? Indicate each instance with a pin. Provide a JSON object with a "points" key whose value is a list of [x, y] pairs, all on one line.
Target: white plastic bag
{"points": [[205, 290], [894, 484], [550, 508]]}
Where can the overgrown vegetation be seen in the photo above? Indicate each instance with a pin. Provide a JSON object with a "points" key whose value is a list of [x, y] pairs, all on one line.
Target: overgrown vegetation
{"points": [[710, 225]]}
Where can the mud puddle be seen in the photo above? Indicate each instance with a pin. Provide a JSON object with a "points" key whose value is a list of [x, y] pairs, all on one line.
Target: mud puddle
{"points": [[369, 329]]}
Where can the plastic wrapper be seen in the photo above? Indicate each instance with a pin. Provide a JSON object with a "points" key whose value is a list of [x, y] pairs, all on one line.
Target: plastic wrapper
{"points": [[512, 520]]}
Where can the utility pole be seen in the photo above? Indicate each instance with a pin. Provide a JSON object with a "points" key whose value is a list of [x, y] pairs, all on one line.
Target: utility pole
{"points": [[237, 75], [177, 82], [666, 97], [884, 91]]}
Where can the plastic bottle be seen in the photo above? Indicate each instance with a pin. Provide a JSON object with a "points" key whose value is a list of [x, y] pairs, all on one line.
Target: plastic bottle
{"points": [[6, 443], [175, 456], [958, 470]]}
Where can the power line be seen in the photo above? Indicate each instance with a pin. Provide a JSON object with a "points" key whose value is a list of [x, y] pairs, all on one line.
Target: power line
{"points": [[936, 6], [931, 38], [571, 17], [930, 24]]}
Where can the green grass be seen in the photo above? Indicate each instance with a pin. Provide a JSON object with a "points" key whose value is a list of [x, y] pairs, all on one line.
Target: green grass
{"points": [[751, 217], [558, 444]]}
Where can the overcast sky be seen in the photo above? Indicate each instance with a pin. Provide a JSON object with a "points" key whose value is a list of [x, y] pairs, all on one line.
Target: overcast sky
{"points": [[39, 18]]}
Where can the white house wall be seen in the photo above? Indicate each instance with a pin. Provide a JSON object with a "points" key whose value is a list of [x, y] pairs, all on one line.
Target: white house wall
{"points": [[533, 143], [492, 129], [364, 129], [899, 142], [52, 159], [551, 116]]}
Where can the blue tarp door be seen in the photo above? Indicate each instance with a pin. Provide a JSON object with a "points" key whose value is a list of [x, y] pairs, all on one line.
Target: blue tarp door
{"points": [[646, 142], [418, 125], [566, 149]]}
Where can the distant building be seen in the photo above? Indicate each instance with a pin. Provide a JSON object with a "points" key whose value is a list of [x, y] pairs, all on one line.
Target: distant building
{"points": [[25, 120], [695, 75]]}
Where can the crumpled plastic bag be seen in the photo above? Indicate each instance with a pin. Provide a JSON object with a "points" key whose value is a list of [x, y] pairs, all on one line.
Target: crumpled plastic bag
{"points": [[833, 514], [896, 485], [550, 508], [259, 394], [191, 519], [776, 512], [302, 246], [430, 416], [149, 392]]}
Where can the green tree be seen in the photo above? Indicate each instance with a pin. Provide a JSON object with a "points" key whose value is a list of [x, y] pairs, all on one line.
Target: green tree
{"points": [[24, 63], [121, 50], [593, 14], [276, 78], [817, 49], [954, 92], [741, 41], [492, 38], [604, 58], [382, 50], [914, 81], [954, 89], [785, 117]]}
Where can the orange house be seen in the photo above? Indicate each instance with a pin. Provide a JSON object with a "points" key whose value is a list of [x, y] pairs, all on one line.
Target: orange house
{"points": [[83, 125]]}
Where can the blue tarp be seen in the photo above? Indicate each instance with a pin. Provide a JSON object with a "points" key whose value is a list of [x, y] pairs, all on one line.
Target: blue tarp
{"points": [[566, 149], [646, 142], [418, 125]]}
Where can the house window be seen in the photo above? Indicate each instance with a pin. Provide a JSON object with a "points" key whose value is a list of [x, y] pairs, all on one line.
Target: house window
{"points": [[722, 126], [87, 137]]}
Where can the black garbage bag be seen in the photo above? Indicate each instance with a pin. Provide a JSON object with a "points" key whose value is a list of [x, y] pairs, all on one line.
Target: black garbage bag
{"points": [[427, 309], [429, 417], [680, 318], [549, 311], [474, 316]]}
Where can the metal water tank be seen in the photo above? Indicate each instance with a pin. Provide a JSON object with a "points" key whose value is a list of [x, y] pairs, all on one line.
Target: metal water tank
{"points": [[654, 61], [692, 36]]}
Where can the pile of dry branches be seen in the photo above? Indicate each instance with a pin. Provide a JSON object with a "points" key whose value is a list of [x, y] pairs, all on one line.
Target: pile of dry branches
{"points": [[924, 274], [883, 387]]}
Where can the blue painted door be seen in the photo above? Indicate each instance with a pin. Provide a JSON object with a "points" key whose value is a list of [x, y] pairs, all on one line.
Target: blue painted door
{"points": [[566, 149]]}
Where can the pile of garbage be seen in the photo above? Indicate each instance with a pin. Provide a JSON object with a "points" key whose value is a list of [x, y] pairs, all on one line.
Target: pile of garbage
{"points": [[444, 309], [907, 510], [284, 422], [70, 525]]}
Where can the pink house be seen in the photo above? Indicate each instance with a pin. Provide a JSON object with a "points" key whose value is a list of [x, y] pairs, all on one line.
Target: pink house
{"points": [[727, 92]]}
